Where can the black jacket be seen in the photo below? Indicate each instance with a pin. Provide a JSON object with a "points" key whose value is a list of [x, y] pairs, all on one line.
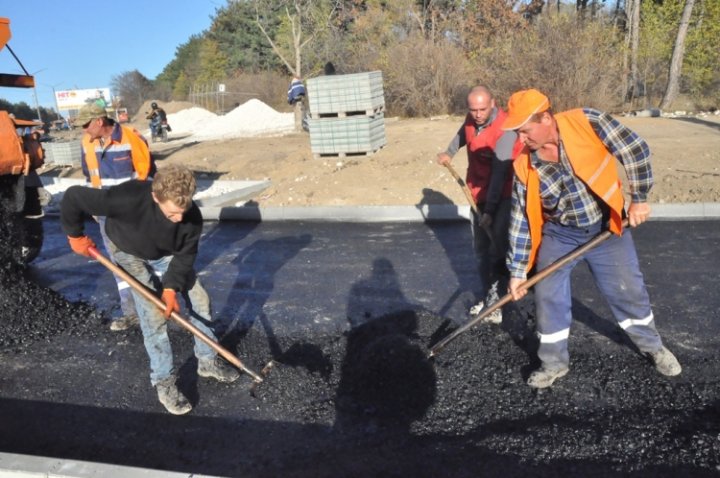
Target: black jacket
{"points": [[137, 226]]}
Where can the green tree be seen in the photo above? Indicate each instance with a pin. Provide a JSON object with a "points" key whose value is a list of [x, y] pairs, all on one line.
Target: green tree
{"points": [[236, 33], [181, 87], [213, 62], [701, 67], [186, 62]]}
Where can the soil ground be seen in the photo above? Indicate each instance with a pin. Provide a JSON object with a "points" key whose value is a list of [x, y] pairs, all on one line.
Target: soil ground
{"points": [[686, 164]]}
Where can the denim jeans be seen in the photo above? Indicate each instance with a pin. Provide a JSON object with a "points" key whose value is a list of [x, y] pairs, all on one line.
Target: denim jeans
{"points": [[152, 322], [614, 266], [127, 304]]}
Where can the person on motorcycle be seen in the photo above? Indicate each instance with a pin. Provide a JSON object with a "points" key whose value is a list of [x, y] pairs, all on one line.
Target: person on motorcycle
{"points": [[157, 118]]}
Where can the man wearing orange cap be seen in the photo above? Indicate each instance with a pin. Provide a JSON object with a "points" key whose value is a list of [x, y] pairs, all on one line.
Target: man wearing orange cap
{"points": [[566, 191], [489, 176]]}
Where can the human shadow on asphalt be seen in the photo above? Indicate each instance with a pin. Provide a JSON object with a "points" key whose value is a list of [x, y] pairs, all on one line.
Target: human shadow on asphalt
{"points": [[225, 446], [257, 266], [459, 251], [386, 380]]}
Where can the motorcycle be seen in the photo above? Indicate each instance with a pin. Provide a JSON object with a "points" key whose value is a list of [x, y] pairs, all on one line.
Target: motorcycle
{"points": [[159, 130]]}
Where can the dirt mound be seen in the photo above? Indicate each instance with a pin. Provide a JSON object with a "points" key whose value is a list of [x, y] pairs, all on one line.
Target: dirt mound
{"points": [[170, 107]]}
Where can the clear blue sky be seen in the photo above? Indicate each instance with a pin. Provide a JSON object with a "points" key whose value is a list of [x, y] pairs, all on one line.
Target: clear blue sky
{"points": [[81, 44]]}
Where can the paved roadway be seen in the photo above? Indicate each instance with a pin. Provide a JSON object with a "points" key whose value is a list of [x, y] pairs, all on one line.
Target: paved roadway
{"points": [[321, 273]]}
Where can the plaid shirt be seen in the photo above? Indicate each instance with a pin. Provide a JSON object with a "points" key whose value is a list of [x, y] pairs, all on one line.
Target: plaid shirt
{"points": [[565, 198]]}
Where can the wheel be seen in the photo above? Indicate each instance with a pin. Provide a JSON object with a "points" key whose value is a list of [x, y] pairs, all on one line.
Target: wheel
{"points": [[164, 134]]}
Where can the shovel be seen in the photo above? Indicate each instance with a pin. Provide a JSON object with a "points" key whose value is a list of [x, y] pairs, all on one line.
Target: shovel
{"points": [[469, 196], [183, 322], [525, 285]]}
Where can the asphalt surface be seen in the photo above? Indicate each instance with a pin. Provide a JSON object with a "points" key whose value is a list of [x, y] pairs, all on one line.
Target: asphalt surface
{"points": [[355, 396]]}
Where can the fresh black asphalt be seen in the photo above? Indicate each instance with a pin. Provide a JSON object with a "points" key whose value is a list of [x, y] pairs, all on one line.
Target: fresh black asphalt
{"points": [[349, 310]]}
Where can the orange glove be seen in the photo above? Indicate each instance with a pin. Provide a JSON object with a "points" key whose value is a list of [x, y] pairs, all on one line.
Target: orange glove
{"points": [[81, 245], [170, 298]]}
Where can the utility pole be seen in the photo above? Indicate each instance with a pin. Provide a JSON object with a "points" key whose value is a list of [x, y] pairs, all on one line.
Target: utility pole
{"points": [[57, 105], [37, 105]]}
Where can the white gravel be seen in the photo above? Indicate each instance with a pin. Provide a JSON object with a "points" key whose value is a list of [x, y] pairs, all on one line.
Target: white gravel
{"points": [[252, 118]]}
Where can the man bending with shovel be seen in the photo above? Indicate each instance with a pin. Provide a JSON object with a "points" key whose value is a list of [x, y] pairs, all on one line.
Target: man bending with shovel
{"points": [[566, 191], [154, 230]]}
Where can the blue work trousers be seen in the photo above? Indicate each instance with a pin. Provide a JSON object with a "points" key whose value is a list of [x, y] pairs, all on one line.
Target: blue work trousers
{"points": [[152, 322], [614, 266]]}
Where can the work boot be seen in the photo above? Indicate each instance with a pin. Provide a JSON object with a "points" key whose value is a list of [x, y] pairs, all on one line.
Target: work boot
{"points": [[491, 298], [124, 322], [477, 308], [217, 369], [169, 395], [665, 362], [545, 376]]}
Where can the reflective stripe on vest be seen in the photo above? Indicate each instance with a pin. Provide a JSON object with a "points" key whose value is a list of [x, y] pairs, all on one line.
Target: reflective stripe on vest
{"points": [[92, 162]]}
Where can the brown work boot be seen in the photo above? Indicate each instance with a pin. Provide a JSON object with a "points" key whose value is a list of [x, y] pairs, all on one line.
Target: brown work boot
{"points": [[665, 362], [124, 322], [546, 376], [218, 369], [172, 398]]}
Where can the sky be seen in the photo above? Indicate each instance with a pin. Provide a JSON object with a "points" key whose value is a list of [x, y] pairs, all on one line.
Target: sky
{"points": [[83, 44]]}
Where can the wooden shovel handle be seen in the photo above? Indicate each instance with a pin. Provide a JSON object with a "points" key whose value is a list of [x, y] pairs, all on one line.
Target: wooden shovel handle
{"points": [[525, 285], [471, 201], [183, 322], [465, 188]]}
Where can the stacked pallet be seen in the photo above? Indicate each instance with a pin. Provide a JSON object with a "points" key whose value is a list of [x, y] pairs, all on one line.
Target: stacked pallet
{"points": [[63, 154], [347, 114]]}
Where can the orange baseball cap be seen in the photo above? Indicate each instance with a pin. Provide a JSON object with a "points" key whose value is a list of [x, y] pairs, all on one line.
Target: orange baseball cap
{"points": [[522, 105]]}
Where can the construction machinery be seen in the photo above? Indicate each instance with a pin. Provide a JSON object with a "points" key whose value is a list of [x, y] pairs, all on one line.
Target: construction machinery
{"points": [[21, 154]]}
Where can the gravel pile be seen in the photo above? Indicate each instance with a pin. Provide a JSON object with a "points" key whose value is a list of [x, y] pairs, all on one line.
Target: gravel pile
{"points": [[252, 118]]}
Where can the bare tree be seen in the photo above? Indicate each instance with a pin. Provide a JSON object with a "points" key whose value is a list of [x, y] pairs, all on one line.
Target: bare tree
{"points": [[632, 42], [304, 19], [133, 87], [673, 85]]}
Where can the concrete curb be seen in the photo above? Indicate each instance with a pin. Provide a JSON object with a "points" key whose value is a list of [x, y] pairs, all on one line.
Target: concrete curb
{"points": [[28, 466], [419, 213], [218, 200]]}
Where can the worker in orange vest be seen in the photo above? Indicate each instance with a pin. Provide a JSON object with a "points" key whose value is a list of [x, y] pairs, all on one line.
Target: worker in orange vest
{"points": [[566, 191]]}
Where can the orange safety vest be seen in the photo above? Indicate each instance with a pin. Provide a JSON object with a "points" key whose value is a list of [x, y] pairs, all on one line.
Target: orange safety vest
{"points": [[481, 151], [127, 157], [591, 162]]}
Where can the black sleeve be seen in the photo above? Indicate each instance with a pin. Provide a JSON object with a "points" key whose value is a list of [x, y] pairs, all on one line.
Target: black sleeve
{"points": [[79, 203], [180, 270]]}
